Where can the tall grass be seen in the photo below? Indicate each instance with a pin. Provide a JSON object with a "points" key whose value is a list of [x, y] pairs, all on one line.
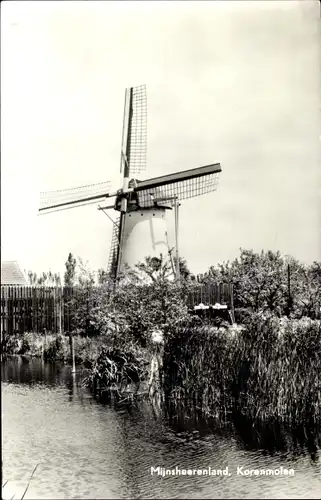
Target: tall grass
{"points": [[269, 370], [116, 369]]}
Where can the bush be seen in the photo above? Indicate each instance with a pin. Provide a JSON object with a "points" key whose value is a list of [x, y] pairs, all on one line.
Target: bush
{"points": [[11, 345], [123, 318], [116, 368], [54, 350], [268, 281], [87, 349], [25, 347], [132, 309], [242, 315]]}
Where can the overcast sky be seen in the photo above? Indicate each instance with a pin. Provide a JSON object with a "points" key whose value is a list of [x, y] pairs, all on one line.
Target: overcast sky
{"points": [[232, 82]]}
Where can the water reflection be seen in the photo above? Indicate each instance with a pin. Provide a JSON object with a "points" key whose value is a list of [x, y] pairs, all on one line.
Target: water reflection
{"points": [[88, 450], [20, 369], [275, 438]]}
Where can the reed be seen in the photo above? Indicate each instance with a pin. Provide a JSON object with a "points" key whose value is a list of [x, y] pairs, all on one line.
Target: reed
{"points": [[118, 369], [270, 369]]}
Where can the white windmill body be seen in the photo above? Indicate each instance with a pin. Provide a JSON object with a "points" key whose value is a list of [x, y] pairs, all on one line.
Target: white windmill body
{"points": [[140, 230], [145, 235]]}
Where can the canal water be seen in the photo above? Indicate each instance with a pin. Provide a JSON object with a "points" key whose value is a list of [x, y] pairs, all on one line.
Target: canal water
{"points": [[83, 449]]}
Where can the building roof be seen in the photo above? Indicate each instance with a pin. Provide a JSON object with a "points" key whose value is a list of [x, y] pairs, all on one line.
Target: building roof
{"points": [[11, 274]]}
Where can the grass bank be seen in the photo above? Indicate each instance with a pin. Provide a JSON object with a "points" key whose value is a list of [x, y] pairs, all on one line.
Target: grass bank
{"points": [[270, 370], [265, 372], [117, 369], [54, 347]]}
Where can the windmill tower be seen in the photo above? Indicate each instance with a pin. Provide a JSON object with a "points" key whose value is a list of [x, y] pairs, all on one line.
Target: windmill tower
{"points": [[140, 229]]}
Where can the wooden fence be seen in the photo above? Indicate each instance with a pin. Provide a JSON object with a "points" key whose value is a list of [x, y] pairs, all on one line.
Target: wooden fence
{"points": [[35, 309], [211, 294]]}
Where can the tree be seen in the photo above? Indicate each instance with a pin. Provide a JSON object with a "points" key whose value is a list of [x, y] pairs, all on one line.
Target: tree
{"points": [[308, 292], [45, 279], [70, 273], [84, 276], [103, 276], [184, 271], [268, 282], [151, 269], [57, 279], [154, 268], [32, 278], [144, 299], [82, 300], [258, 280]]}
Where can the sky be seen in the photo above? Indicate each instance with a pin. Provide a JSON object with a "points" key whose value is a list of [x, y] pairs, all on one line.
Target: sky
{"points": [[235, 82]]}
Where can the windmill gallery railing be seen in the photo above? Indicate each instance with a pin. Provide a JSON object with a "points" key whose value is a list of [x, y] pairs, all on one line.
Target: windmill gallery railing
{"points": [[35, 309]]}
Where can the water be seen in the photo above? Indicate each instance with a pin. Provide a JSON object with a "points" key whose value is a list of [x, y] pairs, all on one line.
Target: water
{"points": [[88, 450]]}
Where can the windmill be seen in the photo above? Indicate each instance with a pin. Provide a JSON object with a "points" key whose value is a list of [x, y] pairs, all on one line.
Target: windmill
{"points": [[140, 229]]}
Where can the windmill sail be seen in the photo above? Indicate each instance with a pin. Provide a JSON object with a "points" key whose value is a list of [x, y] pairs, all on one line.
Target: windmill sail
{"points": [[52, 201], [140, 229], [112, 262], [181, 185], [133, 160], [134, 138]]}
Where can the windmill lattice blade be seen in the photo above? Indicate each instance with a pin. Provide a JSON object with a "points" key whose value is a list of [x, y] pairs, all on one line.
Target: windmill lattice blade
{"points": [[70, 198], [70, 205], [183, 185], [112, 261], [137, 131]]}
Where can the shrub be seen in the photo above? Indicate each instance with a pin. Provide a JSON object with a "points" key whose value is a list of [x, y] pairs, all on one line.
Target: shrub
{"points": [[10, 345], [25, 347], [132, 308], [116, 368], [54, 350], [124, 318], [268, 281]]}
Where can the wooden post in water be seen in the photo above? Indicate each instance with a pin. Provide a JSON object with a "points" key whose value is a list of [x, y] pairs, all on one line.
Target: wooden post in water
{"points": [[232, 301], [44, 342], [72, 353], [2, 344], [60, 302], [176, 206]]}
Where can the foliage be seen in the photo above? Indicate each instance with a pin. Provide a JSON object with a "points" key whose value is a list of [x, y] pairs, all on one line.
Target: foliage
{"points": [[307, 291], [25, 347], [84, 276], [124, 318], [143, 299], [82, 299], [54, 349], [151, 269], [156, 268], [10, 344], [70, 273], [266, 281], [103, 276], [45, 278], [115, 368], [258, 371], [184, 270]]}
